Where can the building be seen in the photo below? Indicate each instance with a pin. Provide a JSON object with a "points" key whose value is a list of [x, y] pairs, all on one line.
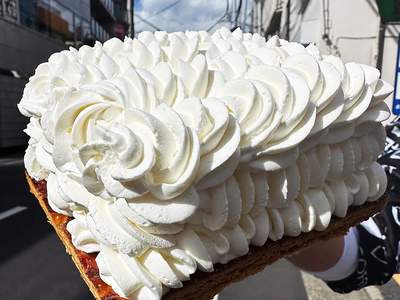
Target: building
{"points": [[356, 30], [30, 30]]}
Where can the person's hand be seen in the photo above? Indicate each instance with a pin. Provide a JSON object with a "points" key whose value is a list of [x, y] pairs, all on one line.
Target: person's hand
{"points": [[320, 256]]}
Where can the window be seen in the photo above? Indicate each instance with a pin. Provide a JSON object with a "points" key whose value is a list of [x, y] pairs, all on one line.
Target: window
{"points": [[58, 21], [48, 17], [28, 16], [61, 22], [77, 28], [85, 29]]}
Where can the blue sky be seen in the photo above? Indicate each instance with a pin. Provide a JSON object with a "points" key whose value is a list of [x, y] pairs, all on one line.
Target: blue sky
{"points": [[138, 4], [176, 15]]}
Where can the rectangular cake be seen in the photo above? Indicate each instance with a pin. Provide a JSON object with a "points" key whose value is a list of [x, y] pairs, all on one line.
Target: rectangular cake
{"points": [[175, 163]]}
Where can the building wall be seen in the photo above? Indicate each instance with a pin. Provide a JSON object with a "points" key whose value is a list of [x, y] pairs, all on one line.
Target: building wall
{"points": [[354, 31], [311, 28], [22, 50], [353, 28], [81, 7], [12, 123], [390, 55]]}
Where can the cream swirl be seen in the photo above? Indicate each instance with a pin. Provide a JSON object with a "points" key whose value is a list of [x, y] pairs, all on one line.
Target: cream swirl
{"points": [[81, 236], [324, 82], [291, 96], [143, 277], [252, 105], [219, 136], [125, 152], [38, 156]]}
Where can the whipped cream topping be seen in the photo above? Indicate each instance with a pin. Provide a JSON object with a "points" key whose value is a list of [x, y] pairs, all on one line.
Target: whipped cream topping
{"points": [[175, 151]]}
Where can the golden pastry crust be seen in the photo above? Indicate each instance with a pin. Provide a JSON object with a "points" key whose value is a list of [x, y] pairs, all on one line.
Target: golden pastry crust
{"points": [[203, 286], [86, 263]]}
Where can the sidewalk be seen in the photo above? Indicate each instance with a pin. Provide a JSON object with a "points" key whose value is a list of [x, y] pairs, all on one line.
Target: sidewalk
{"points": [[282, 281]]}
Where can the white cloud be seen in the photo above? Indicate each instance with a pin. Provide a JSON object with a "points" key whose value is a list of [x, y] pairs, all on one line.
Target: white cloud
{"points": [[185, 15]]}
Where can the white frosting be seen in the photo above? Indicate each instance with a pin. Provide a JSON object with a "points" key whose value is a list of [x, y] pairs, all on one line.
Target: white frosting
{"points": [[219, 135], [173, 152]]}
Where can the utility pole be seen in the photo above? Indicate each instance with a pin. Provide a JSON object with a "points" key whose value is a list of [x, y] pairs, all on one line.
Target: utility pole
{"points": [[130, 7], [381, 45], [253, 4], [288, 21]]}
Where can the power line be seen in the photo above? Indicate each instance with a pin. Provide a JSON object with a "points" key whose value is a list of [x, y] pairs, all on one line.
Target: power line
{"points": [[239, 8], [332, 47], [169, 6], [288, 20], [132, 18], [221, 18], [147, 22], [131, 11], [166, 8], [245, 15]]}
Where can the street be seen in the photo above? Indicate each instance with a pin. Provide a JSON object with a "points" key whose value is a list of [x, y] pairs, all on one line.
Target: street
{"points": [[33, 262]]}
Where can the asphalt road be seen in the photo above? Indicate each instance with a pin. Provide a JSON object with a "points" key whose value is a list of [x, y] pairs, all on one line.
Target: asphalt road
{"points": [[33, 262]]}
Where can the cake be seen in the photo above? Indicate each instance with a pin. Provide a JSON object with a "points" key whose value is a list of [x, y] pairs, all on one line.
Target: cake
{"points": [[177, 163]]}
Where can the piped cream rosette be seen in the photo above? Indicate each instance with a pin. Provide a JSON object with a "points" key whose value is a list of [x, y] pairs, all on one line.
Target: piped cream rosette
{"points": [[173, 152]]}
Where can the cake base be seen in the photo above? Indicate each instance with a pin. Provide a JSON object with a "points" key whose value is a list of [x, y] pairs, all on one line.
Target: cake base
{"points": [[203, 286]]}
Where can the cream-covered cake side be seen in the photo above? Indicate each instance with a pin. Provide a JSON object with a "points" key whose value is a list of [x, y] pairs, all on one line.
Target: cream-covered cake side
{"points": [[173, 152]]}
